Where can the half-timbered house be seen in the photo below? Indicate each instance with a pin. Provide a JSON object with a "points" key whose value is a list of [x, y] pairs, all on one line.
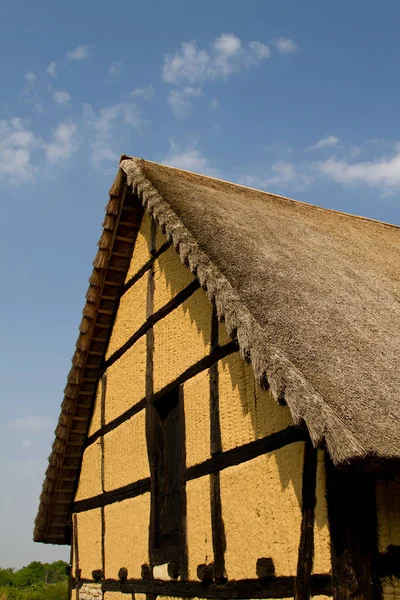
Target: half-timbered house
{"points": [[230, 426]]}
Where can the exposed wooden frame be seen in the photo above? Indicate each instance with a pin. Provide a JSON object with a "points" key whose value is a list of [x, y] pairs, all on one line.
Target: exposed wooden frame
{"points": [[221, 461], [143, 270], [353, 529], [306, 545], [217, 524], [153, 319], [246, 452], [201, 365], [274, 587]]}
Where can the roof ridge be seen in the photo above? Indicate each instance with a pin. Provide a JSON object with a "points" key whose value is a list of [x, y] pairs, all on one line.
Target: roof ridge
{"points": [[246, 187]]}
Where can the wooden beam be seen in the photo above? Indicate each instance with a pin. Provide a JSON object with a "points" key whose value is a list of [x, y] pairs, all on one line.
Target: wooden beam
{"points": [[217, 524], [127, 491], [151, 420], [353, 529], [242, 454], [124, 239], [306, 545], [275, 587]]}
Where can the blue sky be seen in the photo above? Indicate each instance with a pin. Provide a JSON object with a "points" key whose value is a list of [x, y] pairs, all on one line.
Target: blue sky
{"points": [[298, 98]]}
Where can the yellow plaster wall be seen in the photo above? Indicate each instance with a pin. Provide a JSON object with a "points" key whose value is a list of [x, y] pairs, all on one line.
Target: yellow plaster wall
{"points": [[388, 512], [90, 475], [126, 380], [132, 308], [126, 536], [117, 596], [261, 509], [391, 588], [246, 411], [141, 252], [89, 541], [125, 453], [196, 393], [170, 277], [130, 316], [181, 338], [199, 535], [322, 540], [95, 422]]}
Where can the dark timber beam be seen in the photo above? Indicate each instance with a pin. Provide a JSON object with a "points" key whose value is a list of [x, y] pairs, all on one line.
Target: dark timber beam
{"points": [[274, 587], [217, 524], [353, 529], [306, 546], [241, 454]]}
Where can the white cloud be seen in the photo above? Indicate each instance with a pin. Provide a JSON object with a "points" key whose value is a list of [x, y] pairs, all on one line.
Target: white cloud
{"points": [[61, 98], [38, 107], [383, 172], [51, 69], [80, 53], [189, 158], [327, 142], [227, 55], [286, 46], [259, 50], [147, 93], [108, 129], [32, 423], [282, 175], [16, 146], [228, 44], [179, 100], [63, 143], [26, 443], [213, 103], [30, 78], [114, 70]]}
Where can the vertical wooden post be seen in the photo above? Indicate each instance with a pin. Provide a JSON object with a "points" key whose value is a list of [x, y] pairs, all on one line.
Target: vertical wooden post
{"points": [[150, 421], [184, 562], [77, 573], [102, 509], [217, 524], [353, 529], [306, 546]]}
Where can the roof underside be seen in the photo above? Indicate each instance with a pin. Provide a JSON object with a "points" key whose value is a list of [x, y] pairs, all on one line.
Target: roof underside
{"points": [[312, 296]]}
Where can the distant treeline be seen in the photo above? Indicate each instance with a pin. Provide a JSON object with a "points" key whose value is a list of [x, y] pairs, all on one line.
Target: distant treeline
{"points": [[36, 581]]}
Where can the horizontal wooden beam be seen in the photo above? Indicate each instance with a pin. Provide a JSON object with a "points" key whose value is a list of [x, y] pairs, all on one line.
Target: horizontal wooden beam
{"points": [[153, 319], [116, 422], [124, 239], [127, 491], [247, 452], [271, 587]]}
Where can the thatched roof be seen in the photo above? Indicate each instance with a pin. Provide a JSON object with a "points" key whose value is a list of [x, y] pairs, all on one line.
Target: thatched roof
{"points": [[312, 295]]}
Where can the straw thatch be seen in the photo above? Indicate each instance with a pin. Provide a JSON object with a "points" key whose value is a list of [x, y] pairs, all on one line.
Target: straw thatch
{"points": [[312, 296]]}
